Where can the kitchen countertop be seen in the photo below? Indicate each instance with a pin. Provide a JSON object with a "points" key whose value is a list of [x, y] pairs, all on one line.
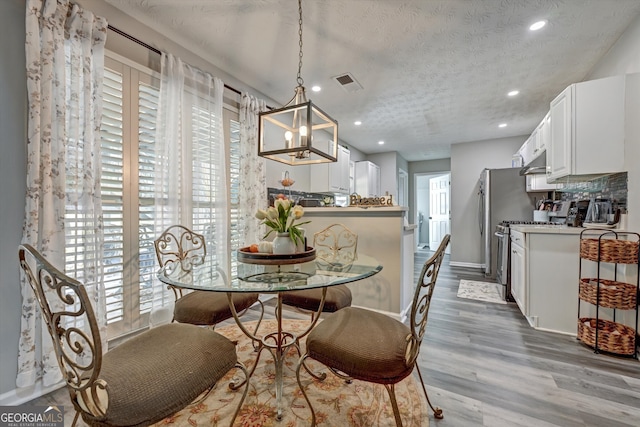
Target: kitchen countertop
{"points": [[553, 229]]}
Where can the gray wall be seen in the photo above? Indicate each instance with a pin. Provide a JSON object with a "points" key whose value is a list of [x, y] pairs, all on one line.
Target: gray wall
{"points": [[467, 161], [13, 91], [423, 204], [423, 167]]}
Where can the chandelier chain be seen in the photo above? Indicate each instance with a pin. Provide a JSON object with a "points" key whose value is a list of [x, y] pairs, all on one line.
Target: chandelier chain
{"points": [[299, 79]]}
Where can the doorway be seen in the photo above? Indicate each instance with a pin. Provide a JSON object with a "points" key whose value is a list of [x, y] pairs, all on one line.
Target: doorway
{"points": [[433, 208]]}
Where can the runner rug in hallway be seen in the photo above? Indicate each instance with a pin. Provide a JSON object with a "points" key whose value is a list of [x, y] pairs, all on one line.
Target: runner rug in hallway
{"points": [[336, 403], [481, 291]]}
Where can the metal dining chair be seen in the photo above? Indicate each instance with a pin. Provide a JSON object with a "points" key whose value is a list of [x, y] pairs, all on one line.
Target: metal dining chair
{"points": [[360, 344], [180, 244], [141, 381], [336, 249]]}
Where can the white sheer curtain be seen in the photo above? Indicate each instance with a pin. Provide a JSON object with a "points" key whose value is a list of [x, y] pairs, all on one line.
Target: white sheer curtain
{"points": [[64, 60], [191, 166], [253, 186]]}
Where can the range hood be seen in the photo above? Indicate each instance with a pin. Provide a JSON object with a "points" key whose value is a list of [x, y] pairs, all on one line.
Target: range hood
{"points": [[536, 166]]}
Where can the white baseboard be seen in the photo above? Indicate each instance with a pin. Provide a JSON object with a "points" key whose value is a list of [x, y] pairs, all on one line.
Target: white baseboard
{"points": [[466, 264], [397, 316], [18, 396]]}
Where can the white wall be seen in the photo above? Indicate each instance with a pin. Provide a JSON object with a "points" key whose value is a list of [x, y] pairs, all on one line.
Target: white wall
{"points": [[624, 58], [632, 150], [467, 161]]}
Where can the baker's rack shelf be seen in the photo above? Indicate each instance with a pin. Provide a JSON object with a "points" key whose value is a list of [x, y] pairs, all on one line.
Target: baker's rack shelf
{"points": [[614, 287]]}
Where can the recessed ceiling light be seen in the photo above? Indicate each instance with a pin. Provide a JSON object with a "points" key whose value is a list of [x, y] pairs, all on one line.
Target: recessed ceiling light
{"points": [[502, 125], [316, 88], [513, 93], [537, 25], [357, 123], [381, 142]]}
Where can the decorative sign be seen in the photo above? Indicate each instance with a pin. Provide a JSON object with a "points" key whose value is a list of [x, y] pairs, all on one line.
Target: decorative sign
{"points": [[356, 200]]}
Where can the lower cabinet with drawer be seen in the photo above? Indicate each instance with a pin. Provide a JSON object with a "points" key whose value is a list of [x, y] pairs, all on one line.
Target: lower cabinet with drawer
{"points": [[544, 276], [518, 269]]}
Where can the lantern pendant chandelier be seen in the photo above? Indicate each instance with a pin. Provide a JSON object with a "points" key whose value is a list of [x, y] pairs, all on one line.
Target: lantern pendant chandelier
{"points": [[299, 133]]}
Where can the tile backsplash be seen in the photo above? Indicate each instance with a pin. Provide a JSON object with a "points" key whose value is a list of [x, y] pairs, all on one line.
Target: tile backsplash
{"points": [[613, 187]]}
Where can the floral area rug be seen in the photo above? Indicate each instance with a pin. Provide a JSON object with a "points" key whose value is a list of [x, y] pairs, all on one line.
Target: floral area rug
{"points": [[481, 291], [336, 403]]}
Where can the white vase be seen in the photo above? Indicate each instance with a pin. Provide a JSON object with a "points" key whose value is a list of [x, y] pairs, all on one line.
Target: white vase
{"points": [[283, 244]]}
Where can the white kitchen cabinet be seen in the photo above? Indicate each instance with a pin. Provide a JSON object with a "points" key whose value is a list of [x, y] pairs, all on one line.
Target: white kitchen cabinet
{"points": [[367, 179], [537, 142], [542, 135], [544, 276], [518, 276], [538, 182], [526, 151], [587, 129], [331, 177]]}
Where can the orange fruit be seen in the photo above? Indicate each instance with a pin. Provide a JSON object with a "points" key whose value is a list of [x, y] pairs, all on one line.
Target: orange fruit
{"points": [[253, 248]]}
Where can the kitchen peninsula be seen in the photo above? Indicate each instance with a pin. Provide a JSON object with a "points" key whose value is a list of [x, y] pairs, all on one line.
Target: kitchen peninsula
{"points": [[383, 233]]}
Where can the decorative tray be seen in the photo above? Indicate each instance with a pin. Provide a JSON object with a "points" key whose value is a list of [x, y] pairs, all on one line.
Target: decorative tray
{"points": [[248, 257]]}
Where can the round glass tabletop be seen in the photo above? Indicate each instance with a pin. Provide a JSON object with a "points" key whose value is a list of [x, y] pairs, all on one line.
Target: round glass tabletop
{"points": [[267, 278]]}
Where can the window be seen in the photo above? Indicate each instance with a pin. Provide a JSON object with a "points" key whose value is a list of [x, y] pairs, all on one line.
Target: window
{"points": [[128, 130]]}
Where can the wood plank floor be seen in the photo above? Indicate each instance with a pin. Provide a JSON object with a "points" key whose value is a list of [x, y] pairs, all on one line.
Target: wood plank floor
{"points": [[485, 366]]}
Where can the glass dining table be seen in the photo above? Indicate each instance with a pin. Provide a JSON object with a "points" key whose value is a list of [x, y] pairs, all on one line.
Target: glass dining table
{"points": [[271, 275]]}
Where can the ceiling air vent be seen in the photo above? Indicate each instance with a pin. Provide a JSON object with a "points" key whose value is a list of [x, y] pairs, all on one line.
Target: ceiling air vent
{"points": [[347, 82]]}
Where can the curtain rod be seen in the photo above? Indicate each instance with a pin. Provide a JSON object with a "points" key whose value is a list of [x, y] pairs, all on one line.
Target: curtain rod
{"points": [[153, 49]]}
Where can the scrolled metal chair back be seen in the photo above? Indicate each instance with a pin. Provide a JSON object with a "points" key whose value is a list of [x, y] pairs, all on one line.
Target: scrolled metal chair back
{"points": [[71, 322], [179, 244], [422, 299], [336, 245]]}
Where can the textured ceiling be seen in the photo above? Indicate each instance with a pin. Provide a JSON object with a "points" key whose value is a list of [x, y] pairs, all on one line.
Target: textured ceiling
{"points": [[433, 72]]}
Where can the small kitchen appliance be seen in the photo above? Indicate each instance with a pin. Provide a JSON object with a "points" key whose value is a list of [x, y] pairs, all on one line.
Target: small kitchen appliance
{"points": [[599, 212], [560, 211]]}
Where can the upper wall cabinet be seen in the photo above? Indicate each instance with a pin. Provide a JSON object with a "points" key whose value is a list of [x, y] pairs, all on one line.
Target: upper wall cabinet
{"points": [[543, 132], [367, 179], [527, 149], [537, 142], [331, 177], [587, 129]]}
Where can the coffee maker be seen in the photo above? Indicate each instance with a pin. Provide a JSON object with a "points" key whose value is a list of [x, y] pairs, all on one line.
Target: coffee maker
{"points": [[577, 213]]}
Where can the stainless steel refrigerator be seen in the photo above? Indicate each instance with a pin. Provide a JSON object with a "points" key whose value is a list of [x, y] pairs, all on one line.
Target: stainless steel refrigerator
{"points": [[502, 196]]}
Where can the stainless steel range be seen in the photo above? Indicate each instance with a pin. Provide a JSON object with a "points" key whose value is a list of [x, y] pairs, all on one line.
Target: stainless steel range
{"points": [[503, 267]]}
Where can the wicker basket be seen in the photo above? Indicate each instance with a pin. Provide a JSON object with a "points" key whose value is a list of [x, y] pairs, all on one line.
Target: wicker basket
{"points": [[612, 294], [612, 337], [611, 250]]}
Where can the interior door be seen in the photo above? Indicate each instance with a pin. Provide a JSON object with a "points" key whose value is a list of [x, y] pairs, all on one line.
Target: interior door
{"points": [[439, 209]]}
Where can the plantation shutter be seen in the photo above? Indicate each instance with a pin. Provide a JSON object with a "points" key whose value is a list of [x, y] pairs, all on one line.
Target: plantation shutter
{"points": [[234, 181]]}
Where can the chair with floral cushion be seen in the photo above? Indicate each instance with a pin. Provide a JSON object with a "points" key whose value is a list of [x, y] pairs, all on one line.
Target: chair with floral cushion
{"points": [[336, 249], [360, 344], [180, 244], [141, 381]]}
